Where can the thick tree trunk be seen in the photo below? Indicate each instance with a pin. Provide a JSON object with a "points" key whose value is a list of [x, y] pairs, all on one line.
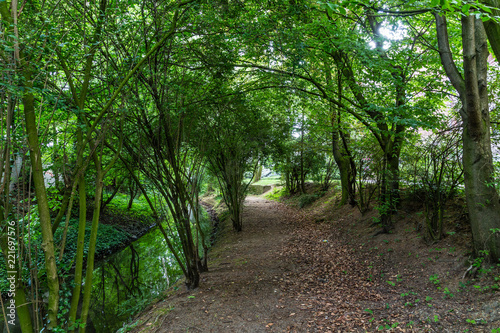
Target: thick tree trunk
{"points": [[343, 165], [235, 195], [236, 214], [193, 275], [482, 197]]}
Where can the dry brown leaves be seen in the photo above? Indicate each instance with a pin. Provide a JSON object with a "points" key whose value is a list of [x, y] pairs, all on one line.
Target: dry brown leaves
{"points": [[346, 287], [330, 281]]}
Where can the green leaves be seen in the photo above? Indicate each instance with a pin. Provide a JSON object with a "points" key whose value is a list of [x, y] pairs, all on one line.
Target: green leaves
{"points": [[333, 7], [336, 8]]}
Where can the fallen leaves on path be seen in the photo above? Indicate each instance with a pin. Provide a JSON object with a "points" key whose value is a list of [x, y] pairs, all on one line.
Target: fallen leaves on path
{"points": [[348, 287], [329, 280]]}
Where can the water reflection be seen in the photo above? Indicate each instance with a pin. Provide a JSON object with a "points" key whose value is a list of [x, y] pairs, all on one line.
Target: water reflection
{"points": [[127, 281]]}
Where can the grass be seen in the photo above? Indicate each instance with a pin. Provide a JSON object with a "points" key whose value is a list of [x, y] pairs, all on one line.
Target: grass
{"points": [[275, 194], [140, 207], [276, 180]]}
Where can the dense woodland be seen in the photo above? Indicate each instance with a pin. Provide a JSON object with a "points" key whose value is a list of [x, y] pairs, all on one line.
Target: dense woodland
{"points": [[171, 99]]}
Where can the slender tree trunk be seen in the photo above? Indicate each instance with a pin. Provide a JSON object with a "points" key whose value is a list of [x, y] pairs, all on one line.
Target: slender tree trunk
{"points": [[385, 199], [302, 173], [92, 246], [43, 205], [133, 193], [22, 304], [257, 174], [55, 158], [236, 213], [187, 241], [115, 191], [82, 221], [11, 232], [287, 174], [340, 148], [342, 158], [393, 177]]}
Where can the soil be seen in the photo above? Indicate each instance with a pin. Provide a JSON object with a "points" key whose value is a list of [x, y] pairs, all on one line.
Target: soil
{"points": [[321, 269]]}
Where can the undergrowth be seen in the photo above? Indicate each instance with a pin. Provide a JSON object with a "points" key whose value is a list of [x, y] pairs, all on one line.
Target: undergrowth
{"points": [[276, 193]]}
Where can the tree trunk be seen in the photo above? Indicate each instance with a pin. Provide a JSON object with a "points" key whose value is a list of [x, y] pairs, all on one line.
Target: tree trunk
{"points": [[302, 171], [22, 308], [133, 192], [343, 158], [82, 220], [385, 199], [42, 203], [55, 158], [92, 246], [393, 178], [340, 150], [236, 213], [493, 28], [193, 276], [115, 191], [257, 174], [482, 197], [389, 188]]}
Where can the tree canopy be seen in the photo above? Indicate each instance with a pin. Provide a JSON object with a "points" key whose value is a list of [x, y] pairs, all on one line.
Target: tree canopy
{"points": [[163, 95]]}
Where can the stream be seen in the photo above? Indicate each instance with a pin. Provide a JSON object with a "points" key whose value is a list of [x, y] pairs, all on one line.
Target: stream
{"points": [[127, 281]]}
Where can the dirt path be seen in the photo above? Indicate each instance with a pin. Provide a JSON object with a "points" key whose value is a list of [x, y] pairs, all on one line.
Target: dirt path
{"points": [[315, 271], [242, 290]]}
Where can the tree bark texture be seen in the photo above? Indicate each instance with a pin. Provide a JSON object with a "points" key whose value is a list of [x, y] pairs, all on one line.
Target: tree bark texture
{"points": [[481, 195]]}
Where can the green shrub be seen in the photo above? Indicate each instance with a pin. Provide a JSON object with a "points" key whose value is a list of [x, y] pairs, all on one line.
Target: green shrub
{"points": [[108, 239], [307, 199]]}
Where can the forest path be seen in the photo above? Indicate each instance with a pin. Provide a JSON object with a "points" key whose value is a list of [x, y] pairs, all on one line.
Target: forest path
{"points": [[242, 290], [309, 270]]}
